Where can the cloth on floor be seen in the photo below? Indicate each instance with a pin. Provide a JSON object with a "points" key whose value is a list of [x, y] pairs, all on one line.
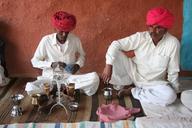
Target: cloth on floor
{"points": [[163, 122], [186, 98], [114, 112], [175, 115], [177, 109]]}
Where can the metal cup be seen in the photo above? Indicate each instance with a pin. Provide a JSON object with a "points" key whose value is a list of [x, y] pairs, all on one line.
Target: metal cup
{"points": [[34, 100], [107, 92]]}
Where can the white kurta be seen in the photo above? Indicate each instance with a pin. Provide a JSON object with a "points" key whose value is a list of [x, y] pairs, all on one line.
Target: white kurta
{"points": [[71, 52], [49, 51], [150, 64]]}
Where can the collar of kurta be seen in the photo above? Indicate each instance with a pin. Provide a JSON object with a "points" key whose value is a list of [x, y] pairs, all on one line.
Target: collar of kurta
{"points": [[55, 41], [161, 41]]}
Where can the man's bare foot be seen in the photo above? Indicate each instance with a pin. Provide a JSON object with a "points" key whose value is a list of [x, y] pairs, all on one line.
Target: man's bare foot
{"points": [[124, 92]]}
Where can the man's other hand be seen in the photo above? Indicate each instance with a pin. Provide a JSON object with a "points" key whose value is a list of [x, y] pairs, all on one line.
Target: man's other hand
{"points": [[130, 53], [60, 64], [54, 65], [107, 72], [75, 68]]}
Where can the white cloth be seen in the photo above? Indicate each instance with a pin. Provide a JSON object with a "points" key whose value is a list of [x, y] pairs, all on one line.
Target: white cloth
{"points": [[151, 63], [88, 83], [175, 115], [163, 122], [49, 51], [177, 109], [3, 80], [186, 98]]}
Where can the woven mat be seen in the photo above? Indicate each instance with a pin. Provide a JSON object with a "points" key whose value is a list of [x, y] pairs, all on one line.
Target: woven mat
{"points": [[86, 112]]}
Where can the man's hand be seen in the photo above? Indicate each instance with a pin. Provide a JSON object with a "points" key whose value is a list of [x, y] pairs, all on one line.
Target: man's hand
{"points": [[130, 54], [75, 68], [54, 65], [60, 64], [107, 72]]}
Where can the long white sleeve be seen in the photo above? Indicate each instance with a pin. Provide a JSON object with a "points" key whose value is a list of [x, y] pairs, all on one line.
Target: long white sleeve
{"points": [[39, 59], [125, 44], [173, 67], [81, 55]]}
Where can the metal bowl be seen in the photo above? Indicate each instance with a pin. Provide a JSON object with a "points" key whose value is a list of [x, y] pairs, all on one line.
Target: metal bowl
{"points": [[17, 98], [73, 106]]}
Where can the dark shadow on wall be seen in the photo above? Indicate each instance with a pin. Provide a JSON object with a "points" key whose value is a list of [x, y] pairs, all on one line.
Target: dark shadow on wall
{"points": [[3, 28]]}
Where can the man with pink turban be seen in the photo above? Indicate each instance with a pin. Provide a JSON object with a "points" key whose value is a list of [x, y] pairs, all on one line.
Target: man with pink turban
{"points": [[61, 50], [138, 64]]}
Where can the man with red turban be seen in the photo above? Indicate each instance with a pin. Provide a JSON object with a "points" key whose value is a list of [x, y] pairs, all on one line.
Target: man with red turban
{"points": [[61, 50], [142, 61]]}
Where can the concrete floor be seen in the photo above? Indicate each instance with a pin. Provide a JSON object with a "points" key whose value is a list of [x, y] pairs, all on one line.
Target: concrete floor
{"points": [[186, 83]]}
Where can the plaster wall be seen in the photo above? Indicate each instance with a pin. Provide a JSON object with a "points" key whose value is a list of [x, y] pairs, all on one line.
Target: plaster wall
{"points": [[24, 22]]}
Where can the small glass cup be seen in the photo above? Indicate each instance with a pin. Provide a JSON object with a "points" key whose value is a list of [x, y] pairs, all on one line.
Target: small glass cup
{"points": [[70, 89], [46, 88]]}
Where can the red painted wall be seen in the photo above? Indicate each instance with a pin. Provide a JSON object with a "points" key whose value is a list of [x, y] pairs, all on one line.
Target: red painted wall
{"points": [[24, 22]]}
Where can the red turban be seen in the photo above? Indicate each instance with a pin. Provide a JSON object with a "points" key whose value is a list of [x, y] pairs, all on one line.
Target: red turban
{"points": [[160, 16], [64, 21]]}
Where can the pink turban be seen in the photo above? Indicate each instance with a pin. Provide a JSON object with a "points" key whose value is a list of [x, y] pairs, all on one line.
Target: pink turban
{"points": [[63, 21], [160, 16]]}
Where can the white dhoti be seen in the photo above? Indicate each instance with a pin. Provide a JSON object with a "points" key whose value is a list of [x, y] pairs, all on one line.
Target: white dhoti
{"points": [[150, 91], [87, 83], [186, 97], [156, 94]]}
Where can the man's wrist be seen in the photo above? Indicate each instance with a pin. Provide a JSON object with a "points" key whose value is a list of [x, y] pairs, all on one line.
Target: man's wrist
{"points": [[108, 66]]}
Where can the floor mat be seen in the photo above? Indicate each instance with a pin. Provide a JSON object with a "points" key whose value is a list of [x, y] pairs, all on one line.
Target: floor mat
{"points": [[86, 112]]}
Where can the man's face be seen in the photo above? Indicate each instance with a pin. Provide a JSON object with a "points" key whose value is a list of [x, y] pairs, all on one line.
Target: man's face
{"points": [[62, 36], [156, 32]]}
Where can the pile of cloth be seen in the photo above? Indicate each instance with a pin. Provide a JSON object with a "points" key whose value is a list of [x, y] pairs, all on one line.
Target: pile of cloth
{"points": [[114, 112]]}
